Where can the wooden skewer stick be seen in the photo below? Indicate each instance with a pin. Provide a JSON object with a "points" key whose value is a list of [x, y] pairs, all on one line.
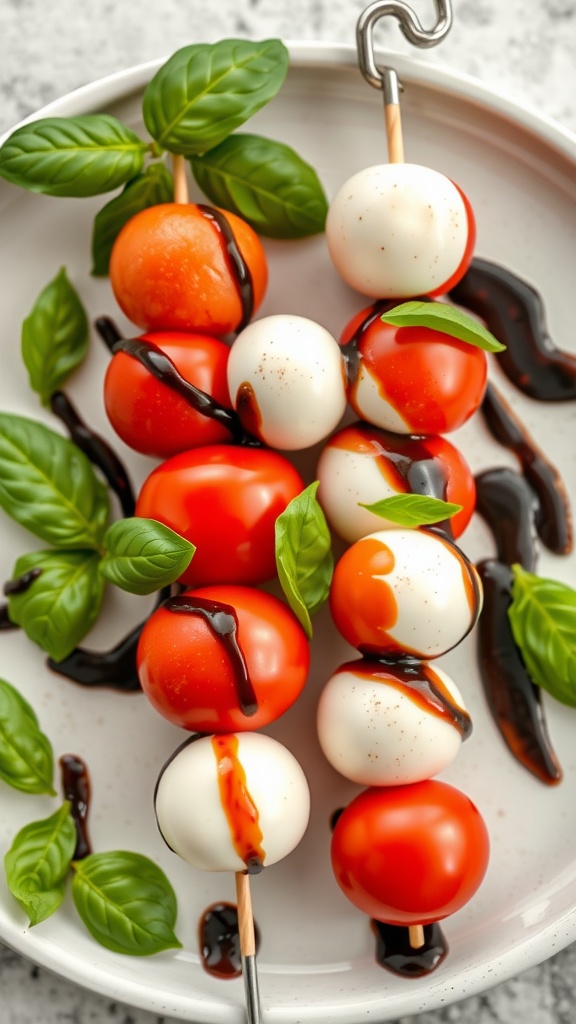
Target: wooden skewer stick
{"points": [[416, 936], [391, 91], [180, 183], [248, 947]]}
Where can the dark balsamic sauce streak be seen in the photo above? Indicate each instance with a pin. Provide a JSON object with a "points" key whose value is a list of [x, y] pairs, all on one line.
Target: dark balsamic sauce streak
{"points": [[553, 519], [351, 349], [393, 949], [222, 620], [97, 449], [514, 312], [5, 622], [76, 789], [157, 363], [22, 583], [236, 262], [513, 698], [114, 668], [219, 940], [108, 331], [506, 502]]}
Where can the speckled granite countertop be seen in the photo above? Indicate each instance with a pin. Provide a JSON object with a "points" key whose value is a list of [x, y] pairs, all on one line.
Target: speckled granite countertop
{"points": [[526, 49]]}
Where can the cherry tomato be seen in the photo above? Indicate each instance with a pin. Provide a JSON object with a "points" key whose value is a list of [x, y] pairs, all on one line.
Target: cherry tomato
{"points": [[169, 269], [225, 500], [410, 854], [361, 464], [414, 380], [189, 674], [151, 417]]}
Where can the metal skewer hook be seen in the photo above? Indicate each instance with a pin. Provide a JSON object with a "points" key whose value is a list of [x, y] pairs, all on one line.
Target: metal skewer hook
{"points": [[385, 78]]}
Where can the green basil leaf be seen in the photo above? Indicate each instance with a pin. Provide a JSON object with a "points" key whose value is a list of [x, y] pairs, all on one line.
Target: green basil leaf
{"points": [[72, 156], [542, 616], [143, 555], [439, 316], [62, 604], [266, 183], [126, 902], [413, 509], [26, 758], [153, 186], [54, 336], [205, 91], [38, 861], [49, 486], [304, 555]]}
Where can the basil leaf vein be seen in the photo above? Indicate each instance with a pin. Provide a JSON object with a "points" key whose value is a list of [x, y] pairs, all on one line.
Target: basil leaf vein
{"points": [[143, 555], [439, 316]]}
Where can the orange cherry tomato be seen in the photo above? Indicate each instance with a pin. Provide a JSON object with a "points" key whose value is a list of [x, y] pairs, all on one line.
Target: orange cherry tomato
{"points": [[169, 269], [190, 675], [410, 854], [225, 500], [149, 415]]}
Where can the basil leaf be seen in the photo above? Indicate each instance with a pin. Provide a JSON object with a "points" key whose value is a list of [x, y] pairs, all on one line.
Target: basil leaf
{"points": [[266, 183], [153, 186], [62, 604], [439, 316], [126, 902], [143, 555], [26, 758], [38, 861], [54, 336], [205, 91], [304, 555], [48, 485], [542, 616], [72, 156], [413, 509]]}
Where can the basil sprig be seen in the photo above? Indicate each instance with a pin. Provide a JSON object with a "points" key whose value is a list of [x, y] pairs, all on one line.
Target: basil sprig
{"points": [[542, 616], [266, 183], [72, 156], [205, 91], [38, 862], [439, 316], [26, 757], [154, 185], [413, 510], [126, 902], [54, 336], [304, 555]]}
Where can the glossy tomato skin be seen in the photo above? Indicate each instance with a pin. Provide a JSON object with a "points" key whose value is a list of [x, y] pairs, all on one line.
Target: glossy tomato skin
{"points": [[169, 269], [151, 417], [415, 380], [225, 500], [411, 854], [187, 673]]}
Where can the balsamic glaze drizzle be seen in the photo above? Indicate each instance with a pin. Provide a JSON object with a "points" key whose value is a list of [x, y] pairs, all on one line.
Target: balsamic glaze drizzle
{"points": [[238, 266], [393, 949], [97, 449], [222, 621], [22, 583], [506, 502], [76, 788]]}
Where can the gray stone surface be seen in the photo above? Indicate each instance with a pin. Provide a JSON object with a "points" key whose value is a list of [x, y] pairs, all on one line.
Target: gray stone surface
{"points": [[48, 47]]}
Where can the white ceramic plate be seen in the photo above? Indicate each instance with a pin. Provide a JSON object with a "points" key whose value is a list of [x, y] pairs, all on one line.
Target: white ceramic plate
{"points": [[317, 956]]}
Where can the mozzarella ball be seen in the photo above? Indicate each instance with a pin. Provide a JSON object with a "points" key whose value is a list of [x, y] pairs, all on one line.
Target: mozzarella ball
{"points": [[410, 591], [232, 802], [361, 465], [399, 230], [390, 724], [287, 381]]}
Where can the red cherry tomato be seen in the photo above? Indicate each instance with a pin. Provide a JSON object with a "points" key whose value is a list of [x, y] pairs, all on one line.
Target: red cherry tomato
{"points": [[189, 675], [151, 417], [410, 854], [225, 500], [170, 269], [433, 382]]}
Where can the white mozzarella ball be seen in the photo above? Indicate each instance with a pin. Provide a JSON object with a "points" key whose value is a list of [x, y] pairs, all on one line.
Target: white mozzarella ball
{"points": [[220, 797], [287, 381], [397, 230], [367, 398], [405, 590], [389, 725]]}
